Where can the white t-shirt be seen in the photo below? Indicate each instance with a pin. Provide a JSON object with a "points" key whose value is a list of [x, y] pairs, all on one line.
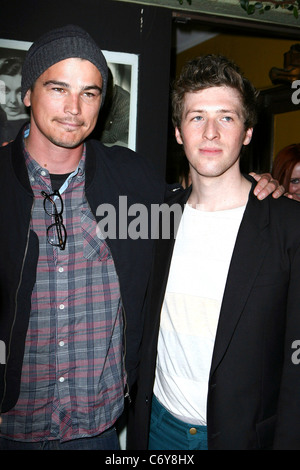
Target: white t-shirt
{"points": [[190, 312]]}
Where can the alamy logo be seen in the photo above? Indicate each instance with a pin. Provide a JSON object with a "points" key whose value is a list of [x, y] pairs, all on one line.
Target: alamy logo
{"points": [[296, 94], [296, 354], [137, 220], [2, 353]]}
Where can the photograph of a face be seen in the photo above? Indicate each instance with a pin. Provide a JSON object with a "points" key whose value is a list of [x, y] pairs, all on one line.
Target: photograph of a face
{"points": [[13, 113], [117, 120]]}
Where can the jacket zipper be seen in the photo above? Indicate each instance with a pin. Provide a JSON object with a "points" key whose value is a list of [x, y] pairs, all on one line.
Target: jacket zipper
{"points": [[15, 314], [126, 391]]}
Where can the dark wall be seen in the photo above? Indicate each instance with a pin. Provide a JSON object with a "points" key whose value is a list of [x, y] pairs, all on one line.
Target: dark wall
{"points": [[116, 26]]}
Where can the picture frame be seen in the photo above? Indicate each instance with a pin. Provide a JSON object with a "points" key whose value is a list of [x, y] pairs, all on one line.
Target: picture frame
{"points": [[124, 69], [124, 76], [9, 47], [13, 113]]}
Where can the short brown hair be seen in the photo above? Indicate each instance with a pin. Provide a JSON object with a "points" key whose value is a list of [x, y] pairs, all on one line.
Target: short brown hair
{"points": [[213, 71]]}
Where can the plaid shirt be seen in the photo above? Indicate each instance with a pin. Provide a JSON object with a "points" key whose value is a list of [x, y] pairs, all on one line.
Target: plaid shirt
{"points": [[73, 375]]}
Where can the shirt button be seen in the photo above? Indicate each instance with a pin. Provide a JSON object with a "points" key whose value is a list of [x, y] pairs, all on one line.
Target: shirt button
{"points": [[61, 270], [193, 431], [61, 307], [61, 343], [43, 173], [61, 379]]}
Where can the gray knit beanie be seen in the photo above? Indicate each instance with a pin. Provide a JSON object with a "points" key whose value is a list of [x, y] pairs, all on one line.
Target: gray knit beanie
{"points": [[59, 44]]}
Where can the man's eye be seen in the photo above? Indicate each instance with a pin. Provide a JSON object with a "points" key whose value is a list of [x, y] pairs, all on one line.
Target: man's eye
{"points": [[227, 118], [197, 118], [91, 95]]}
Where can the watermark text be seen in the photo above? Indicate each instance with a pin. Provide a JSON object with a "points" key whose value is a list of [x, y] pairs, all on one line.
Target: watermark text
{"points": [[296, 353], [2, 353], [296, 93], [137, 220]]}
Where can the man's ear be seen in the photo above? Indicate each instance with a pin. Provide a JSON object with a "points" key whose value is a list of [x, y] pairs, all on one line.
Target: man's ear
{"points": [[27, 100], [178, 136], [248, 136]]}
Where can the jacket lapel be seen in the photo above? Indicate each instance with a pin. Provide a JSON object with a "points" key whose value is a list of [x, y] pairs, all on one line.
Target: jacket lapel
{"points": [[247, 258]]}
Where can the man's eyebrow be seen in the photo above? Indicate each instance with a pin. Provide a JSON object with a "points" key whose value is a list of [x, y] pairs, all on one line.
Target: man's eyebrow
{"points": [[219, 110], [92, 87], [231, 111], [67, 85], [56, 82]]}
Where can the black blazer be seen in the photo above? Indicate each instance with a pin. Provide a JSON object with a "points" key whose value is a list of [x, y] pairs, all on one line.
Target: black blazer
{"points": [[254, 386]]}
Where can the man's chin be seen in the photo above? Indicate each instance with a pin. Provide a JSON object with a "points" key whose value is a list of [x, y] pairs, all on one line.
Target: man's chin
{"points": [[67, 143]]}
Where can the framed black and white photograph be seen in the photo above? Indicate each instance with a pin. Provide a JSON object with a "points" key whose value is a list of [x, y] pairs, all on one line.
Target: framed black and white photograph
{"points": [[13, 113], [120, 108], [117, 122]]}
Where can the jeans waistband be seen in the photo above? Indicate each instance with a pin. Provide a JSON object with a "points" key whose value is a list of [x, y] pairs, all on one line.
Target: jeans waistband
{"points": [[169, 433]]}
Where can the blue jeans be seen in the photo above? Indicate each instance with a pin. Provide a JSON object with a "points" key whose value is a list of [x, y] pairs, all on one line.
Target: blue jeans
{"points": [[169, 433], [108, 440]]}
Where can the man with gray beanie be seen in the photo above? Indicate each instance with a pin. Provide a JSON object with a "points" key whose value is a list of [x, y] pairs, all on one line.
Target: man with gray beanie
{"points": [[71, 298], [68, 292]]}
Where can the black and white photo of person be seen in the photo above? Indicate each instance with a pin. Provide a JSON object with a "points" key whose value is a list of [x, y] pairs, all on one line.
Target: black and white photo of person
{"points": [[113, 128], [12, 110]]}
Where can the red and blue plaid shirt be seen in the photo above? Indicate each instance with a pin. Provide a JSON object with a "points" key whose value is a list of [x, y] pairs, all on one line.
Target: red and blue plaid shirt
{"points": [[73, 374]]}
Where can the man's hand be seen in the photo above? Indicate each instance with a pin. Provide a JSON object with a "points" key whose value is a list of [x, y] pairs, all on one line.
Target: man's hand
{"points": [[267, 185], [291, 196]]}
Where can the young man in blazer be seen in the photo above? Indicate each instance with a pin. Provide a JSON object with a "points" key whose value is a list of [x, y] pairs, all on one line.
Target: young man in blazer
{"points": [[219, 366]]}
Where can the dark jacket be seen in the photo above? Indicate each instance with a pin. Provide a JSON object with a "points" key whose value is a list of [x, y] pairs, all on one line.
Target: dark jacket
{"points": [[110, 173], [254, 384]]}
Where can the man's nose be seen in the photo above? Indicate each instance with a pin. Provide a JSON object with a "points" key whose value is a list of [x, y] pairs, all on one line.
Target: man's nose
{"points": [[210, 131], [72, 104]]}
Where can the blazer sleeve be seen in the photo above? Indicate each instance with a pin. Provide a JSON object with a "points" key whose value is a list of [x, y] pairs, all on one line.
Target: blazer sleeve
{"points": [[287, 433]]}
